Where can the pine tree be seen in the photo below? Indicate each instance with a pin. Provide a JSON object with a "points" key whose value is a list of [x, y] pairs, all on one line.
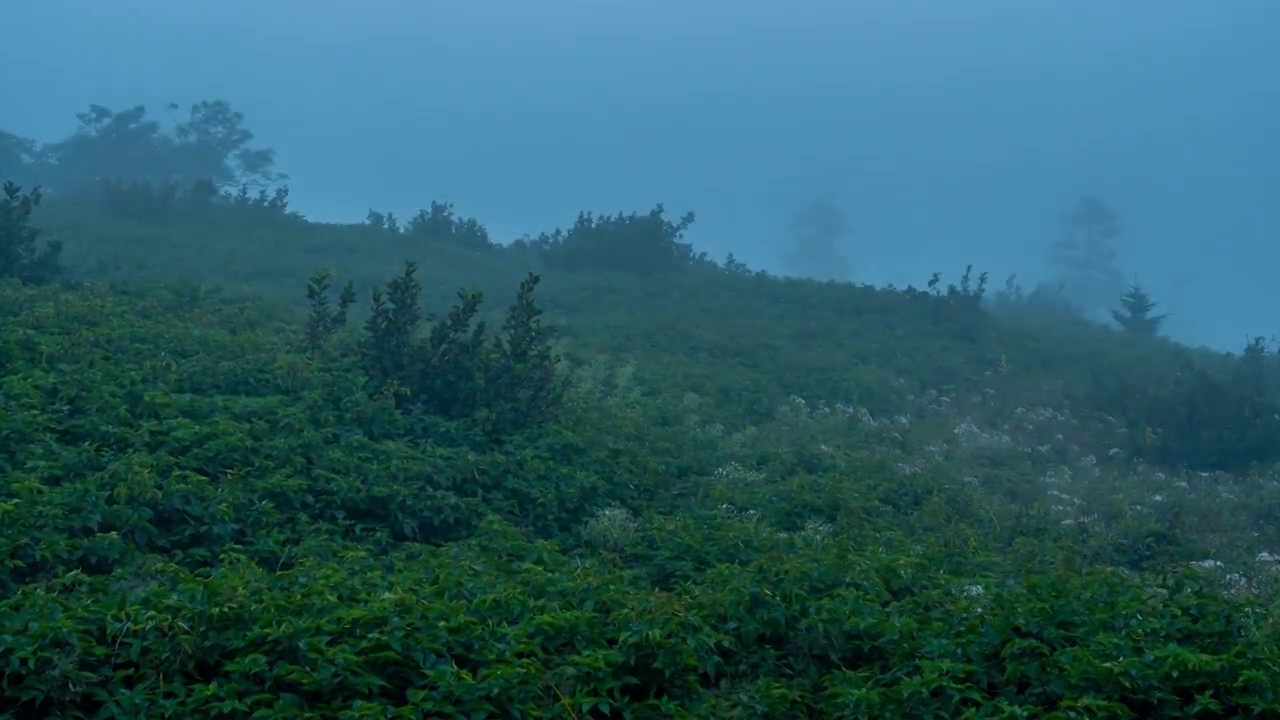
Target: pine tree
{"points": [[1137, 317]]}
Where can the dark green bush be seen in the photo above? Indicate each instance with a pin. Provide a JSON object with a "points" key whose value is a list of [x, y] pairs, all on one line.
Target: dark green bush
{"points": [[644, 244], [1222, 415], [458, 370], [441, 223]]}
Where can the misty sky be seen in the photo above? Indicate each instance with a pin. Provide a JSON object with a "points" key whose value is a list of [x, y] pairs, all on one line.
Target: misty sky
{"points": [[952, 132]]}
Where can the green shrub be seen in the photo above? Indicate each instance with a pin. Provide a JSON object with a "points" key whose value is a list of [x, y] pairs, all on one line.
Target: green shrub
{"points": [[458, 370], [644, 244]]}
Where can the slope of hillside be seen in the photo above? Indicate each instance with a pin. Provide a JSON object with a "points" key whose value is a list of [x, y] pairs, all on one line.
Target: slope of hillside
{"points": [[737, 496]]}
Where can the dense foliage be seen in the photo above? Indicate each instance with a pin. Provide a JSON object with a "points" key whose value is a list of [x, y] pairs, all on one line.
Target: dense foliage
{"points": [[646, 485]]}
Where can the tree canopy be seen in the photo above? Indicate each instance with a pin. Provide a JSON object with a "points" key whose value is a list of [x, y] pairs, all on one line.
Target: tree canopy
{"points": [[209, 144]]}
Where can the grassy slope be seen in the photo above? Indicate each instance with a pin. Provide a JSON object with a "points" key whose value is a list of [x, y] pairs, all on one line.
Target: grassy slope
{"points": [[764, 499], [838, 343]]}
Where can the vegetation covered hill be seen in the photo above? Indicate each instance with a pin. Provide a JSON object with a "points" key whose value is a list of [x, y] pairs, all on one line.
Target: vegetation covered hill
{"points": [[254, 466]]}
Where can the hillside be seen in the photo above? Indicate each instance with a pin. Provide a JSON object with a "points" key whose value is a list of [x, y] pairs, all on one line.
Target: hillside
{"points": [[683, 490]]}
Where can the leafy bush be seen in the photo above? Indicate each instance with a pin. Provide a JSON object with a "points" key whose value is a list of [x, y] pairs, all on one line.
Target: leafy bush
{"points": [[1226, 419], [644, 244], [440, 223]]}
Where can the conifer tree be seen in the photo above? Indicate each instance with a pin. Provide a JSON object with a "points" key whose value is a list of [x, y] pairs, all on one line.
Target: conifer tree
{"points": [[1137, 308]]}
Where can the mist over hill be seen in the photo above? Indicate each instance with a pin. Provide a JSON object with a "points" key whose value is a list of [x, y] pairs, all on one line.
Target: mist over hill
{"points": [[947, 134], [611, 360]]}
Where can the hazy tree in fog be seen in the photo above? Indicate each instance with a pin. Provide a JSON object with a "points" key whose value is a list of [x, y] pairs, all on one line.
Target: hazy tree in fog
{"points": [[1084, 256], [215, 145], [816, 234], [18, 156], [210, 145], [107, 146]]}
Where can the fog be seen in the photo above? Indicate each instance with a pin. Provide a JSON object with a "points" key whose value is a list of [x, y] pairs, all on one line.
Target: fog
{"points": [[950, 133]]}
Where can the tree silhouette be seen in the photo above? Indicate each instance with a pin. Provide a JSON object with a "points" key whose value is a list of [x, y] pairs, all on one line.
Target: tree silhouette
{"points": [[210, 145], [1136, 316], [1085, 255], [816, 232]]}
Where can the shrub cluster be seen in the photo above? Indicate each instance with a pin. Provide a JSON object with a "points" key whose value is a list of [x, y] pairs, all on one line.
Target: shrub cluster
{"points": [[1213, 418], [439, 223], [646, 244], [508, 382]]}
